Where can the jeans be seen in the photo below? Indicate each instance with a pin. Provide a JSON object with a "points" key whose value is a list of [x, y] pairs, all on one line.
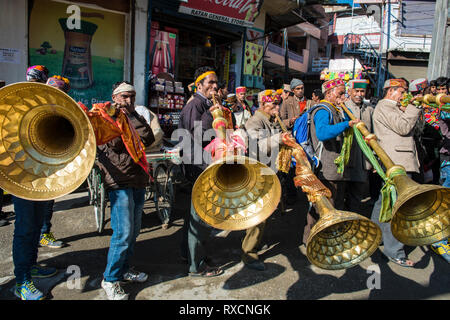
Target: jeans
{"points": [[126, 214], [47, 225], [29, 220], [445, 176]]}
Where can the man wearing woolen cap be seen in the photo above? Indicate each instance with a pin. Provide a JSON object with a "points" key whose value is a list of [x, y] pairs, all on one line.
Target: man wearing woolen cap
{"points": [[293, 106]]}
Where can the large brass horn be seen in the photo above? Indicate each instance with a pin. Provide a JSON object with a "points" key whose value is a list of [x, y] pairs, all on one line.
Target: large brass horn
{"points": [[235, 192], [47, 144], [340, 239], [421, 214]]}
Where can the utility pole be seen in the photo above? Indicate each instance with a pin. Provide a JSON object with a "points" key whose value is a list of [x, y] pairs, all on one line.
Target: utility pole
{"points": [[439, 60], [286, 56]]}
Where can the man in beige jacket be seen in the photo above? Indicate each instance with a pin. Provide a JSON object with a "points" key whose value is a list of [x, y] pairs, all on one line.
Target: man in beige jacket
{"points": [[394, 129]]}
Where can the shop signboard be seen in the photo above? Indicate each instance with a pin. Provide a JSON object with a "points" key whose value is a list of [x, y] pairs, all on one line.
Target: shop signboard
{"points": [[253, 59], [162, 52], [237, 12], [90, 54]]}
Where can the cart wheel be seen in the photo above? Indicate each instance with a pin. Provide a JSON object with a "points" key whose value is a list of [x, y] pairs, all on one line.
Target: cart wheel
{"points": [[163, 195], [91, 191], [99, 199], [100, 208]]}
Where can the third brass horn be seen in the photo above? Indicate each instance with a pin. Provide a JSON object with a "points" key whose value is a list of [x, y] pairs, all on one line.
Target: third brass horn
{"points": [[339, 239], [421, 214]]}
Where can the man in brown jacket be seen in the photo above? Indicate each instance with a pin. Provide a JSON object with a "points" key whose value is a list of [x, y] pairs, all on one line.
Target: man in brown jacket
{"points": [[394, 129], [125, 180], [294, 105]]}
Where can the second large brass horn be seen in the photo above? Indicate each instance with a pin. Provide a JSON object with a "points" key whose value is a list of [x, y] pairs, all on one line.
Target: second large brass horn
{"points": [[421, 214], [340, 239], [47, 144], [235, 192]]}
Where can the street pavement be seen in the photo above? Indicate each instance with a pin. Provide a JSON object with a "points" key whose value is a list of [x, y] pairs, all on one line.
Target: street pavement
{"points": [[288, 276]]}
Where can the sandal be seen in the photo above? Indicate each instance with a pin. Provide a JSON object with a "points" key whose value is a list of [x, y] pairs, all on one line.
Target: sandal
{"points": [[207, 273], [403, 262]]}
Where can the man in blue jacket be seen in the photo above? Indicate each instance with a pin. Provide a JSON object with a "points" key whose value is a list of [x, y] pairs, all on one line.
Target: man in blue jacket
{"points": [[327, 129]]}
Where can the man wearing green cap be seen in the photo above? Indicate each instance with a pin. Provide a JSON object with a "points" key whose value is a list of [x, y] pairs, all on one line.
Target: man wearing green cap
{"points": [[357, 195]]}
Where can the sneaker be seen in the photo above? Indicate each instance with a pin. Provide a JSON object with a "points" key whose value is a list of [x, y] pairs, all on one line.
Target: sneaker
{"points": [[40, 272], [135, 276], [48, 240], [114, 291], [27, 291], [442, 248]]}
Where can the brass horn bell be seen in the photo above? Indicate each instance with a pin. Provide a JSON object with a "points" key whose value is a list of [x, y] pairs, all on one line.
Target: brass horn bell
{"points": [[340, 239], [236, 193], [421, 214], [47, 144]]}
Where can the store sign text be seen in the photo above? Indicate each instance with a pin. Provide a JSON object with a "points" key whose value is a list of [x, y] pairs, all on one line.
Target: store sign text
{"points": [[238, 12]]}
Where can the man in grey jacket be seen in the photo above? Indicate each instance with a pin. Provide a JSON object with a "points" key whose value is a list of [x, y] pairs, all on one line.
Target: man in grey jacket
{"points": [[358, 192], [394, 129]]}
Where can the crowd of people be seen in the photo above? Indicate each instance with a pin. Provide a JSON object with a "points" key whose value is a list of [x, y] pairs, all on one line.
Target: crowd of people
{"points": [[413, 136]]}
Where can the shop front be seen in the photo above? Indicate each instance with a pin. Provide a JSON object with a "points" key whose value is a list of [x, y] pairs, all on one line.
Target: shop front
{"points": [[189, 35]]}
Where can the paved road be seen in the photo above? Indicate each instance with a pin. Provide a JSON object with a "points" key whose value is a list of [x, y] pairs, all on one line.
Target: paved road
{"points": [[289, 275]]}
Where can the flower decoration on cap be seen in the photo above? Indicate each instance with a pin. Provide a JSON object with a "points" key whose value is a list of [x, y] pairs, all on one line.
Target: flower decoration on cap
{"points": [[38, 73], [59, 82], [330, 84], [395, 83], [270, 96]]}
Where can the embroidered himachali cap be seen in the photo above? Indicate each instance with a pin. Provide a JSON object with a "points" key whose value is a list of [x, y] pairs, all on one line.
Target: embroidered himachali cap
{"points": [[395, 83], [358, 84], [330, 84], [418, 85], [241, 89], [269, 96], [59, 82], [231, 98]]}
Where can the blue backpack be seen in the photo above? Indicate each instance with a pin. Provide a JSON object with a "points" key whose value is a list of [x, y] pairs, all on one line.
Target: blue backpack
{"points": [[302, 134]]}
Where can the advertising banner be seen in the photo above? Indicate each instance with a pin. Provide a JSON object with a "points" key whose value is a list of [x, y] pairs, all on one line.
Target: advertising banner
{"points": [[252, 59], [238, 12], [162, 52], [88, 52]]}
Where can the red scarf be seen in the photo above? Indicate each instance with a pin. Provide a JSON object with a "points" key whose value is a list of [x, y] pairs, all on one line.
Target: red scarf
{"points": [[106, 129]]}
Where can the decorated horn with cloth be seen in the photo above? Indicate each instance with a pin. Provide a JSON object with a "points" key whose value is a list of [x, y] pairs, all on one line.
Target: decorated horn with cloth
{"points": [[340, 239], [234, 192], [421, 213]]}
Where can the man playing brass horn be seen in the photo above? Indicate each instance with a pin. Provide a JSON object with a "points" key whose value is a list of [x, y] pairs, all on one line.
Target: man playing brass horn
{"points": [[263, 129], [327, 129], [125, 171], [195, 231], [394, 129], [358, 191]]}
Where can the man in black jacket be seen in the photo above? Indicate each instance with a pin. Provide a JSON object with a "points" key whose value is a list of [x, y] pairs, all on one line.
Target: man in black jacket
{"points": [[125, 180], [195, 231]]}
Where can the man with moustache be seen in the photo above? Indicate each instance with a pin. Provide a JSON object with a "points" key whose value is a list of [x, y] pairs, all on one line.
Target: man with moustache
{"points": [[294, 105], [125, 174], [358, 191], [194, 113]]}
